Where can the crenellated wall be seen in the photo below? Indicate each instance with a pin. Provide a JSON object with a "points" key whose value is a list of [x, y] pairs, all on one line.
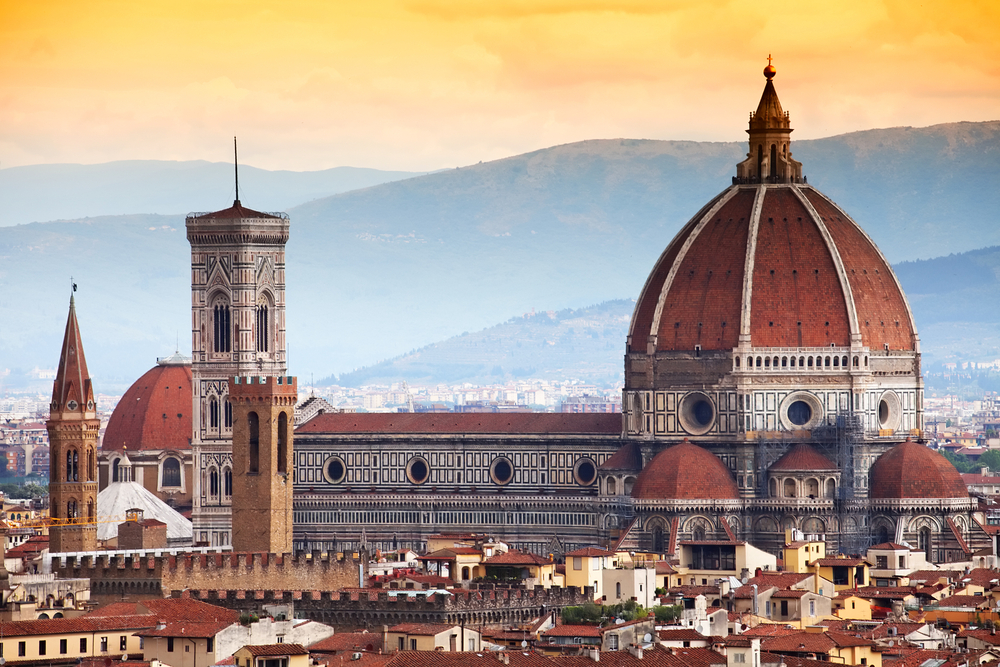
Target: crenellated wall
{"points": [[373, 607], [142, 577]]}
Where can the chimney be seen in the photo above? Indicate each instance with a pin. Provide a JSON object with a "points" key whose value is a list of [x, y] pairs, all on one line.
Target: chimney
{"points": [[595, 655]]}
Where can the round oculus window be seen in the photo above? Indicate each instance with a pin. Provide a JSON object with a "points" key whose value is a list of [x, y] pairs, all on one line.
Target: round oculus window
{"points": [[890, 411], [799, 413], [697, 413], [502, 470], [334, 470], [417, 470], [800, 410], [585, 472]]}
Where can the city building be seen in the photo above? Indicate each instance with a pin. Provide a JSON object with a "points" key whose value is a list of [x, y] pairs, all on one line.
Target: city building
{"points": [[772, 383]]}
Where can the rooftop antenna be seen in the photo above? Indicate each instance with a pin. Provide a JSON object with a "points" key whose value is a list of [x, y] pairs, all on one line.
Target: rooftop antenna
{"points": [[236, 168]]}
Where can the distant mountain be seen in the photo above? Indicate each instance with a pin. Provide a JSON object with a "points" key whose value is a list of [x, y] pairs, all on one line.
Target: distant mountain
{"points": [[585, 344], [70, 191], [373, 273]]}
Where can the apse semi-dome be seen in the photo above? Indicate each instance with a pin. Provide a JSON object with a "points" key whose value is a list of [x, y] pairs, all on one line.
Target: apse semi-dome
{"points": [[685, 472], [155, 412], [770, 310], [911, 470]]}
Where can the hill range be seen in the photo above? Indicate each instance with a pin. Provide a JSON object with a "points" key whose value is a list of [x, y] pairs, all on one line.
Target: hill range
{"points": [[376, 272]]}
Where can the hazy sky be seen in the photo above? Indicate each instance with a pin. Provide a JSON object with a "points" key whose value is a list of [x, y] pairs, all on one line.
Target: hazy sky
{"points": [[430, 84]]}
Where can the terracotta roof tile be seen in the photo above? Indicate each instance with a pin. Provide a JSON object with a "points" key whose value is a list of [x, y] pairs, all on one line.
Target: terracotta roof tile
{"points": [[473, 423], [685, 472], [258, 650], [803, 457], [154, 413], [911, 470]]}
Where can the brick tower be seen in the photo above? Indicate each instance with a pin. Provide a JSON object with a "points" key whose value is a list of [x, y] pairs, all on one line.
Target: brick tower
{"points": [[263, 419], [73, 427], [238, 328]]}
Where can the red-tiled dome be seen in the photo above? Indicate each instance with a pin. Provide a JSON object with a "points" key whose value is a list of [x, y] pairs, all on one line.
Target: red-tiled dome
{"points": [[155, 412], [685, 472], [815, 277], [911, 470], [802, 457]]}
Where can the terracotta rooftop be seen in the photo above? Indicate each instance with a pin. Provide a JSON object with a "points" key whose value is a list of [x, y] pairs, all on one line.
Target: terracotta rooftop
{"points": [[472, 423], [628, 457], [695, 296], [592, 552], [911, 470], [154, 413], [236, 211], [80, 624], [258, 650], [515, 557], [423, 629], [573, 631], [803, 457], [685, 471]]}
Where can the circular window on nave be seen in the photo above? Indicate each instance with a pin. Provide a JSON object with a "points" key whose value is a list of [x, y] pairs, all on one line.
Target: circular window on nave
{"points": [[585, 472], [800, 410], [417, 470], [501, 470], [334, 470], [697, 413]]}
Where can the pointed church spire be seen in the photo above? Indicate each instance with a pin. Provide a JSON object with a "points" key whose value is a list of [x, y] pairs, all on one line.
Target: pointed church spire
{"points": [[770, 157], [72, 391]]}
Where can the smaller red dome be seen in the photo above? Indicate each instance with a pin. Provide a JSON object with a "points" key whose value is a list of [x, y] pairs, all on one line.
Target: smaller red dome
{"points": [[802, 457], [911, 470], [155, 412], [685, 472]]}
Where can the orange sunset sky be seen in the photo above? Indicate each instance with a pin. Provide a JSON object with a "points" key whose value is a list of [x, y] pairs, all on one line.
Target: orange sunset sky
{"points": [[427, 84]]}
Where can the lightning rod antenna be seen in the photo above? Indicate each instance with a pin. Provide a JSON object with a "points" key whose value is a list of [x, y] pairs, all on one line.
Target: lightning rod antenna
{"points": [[236, 168]]}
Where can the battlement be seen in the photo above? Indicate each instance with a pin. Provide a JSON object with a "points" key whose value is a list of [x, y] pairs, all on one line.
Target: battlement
{"points": [[353, 607], [159, 575], [253, 386]]}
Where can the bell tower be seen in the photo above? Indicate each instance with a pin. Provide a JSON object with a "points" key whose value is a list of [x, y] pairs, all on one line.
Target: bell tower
{"points": [[73, 427], [263, 419], [237, 329]]}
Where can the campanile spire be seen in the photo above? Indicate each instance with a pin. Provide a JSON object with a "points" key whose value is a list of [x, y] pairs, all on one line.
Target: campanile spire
{"points": [[770, 157], [73, 427]]}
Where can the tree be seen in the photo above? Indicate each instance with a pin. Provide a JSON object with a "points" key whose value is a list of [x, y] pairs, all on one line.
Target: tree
{"points": [[990, 459], [587, 613], [666, 613]]}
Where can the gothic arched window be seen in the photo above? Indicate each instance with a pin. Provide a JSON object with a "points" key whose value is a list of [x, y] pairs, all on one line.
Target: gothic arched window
{"points": [[227, 482], [262, 329], [222, 328], [213, 412], [171, 475], [213, 482], [228, 416]]}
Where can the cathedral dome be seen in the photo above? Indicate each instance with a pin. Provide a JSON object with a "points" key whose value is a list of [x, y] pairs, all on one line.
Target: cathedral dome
{"points": [[685, 472], [911, 470], [155, 412], [776, 266], [771, 263]]}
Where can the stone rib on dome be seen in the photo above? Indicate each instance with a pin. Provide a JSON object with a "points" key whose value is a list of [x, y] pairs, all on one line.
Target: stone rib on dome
{"points": [[155, 412], [802, 457], [685, 472], [816, 279], [911, 470]]}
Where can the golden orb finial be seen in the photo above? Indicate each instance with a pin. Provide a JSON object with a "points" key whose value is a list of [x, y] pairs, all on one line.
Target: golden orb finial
{"points": [[769, 71]]}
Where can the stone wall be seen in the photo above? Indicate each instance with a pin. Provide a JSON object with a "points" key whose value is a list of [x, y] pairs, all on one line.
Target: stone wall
{"points": [[143, 577], [372, 608]]}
